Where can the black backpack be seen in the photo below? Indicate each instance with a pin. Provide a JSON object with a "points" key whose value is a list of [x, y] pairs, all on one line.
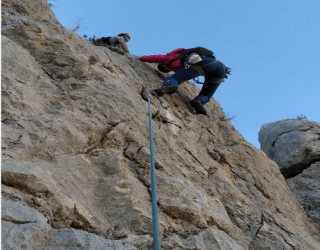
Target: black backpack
{"points": [[198, 50], [185, 53], [105, 40]]}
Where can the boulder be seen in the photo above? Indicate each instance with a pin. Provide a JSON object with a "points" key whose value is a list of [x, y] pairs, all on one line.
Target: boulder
{"points": [[306, 188], [293, 144]]}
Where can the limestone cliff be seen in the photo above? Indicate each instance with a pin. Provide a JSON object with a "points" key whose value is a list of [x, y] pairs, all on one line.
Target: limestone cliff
{"points": [[75, 154], [294, 144]]}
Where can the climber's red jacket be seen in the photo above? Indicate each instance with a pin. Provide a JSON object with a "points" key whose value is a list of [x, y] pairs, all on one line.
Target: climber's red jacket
{"points": [[165, 59]]}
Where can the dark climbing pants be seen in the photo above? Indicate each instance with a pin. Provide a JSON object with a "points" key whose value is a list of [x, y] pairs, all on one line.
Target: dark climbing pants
{"points": [[213, 69]]}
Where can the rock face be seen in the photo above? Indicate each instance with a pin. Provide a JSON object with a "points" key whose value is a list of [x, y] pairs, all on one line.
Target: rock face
{"points": [[306, 188], [75, 154], [292, 143], [295, 146]]}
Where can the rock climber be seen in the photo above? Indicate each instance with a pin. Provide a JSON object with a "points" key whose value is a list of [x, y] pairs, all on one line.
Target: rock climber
{"points": [[213, 70], [116, 43]]}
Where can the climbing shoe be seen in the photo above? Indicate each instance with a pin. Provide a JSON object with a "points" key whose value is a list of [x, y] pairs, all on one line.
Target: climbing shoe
{"points": [[198, 106], [170, 89]]}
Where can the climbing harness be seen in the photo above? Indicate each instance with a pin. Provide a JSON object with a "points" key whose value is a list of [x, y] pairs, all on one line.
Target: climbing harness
{"points": [[155, 222], [211, 80]]}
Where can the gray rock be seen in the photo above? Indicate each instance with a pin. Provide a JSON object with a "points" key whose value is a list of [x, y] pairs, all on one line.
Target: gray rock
{"points": [[211, 238], [306, 188], [64, 239], [293, 144], [19, 214], [23, 236], [38, 236], [75, 148]]}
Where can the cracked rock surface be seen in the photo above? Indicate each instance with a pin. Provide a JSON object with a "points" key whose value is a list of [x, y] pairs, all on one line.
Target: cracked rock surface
{"points": [[76, 158], [292, 143], [295, 146]]}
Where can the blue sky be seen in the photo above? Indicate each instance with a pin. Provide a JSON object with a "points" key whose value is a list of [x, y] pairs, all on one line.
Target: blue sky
{"points": [[273, 47]]}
